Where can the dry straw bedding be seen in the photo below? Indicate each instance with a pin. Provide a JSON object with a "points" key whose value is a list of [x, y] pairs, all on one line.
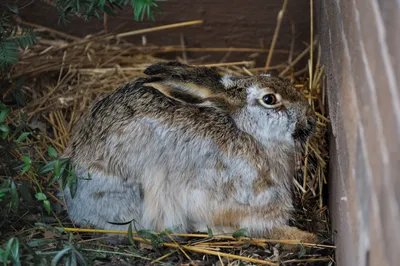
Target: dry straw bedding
{"points": [[64, 74]]}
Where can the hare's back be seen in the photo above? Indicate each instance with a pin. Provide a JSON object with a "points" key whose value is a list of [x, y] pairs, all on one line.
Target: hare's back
{"points": [[139, 117]]}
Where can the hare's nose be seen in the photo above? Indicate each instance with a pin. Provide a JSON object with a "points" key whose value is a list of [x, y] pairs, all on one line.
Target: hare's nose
{"points": [[311, 121]]}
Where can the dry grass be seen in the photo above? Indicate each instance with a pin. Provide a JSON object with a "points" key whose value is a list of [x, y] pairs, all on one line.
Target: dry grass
{"points": [[65, 74]]}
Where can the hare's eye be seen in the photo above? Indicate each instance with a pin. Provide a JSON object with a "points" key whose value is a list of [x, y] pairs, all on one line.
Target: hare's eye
{"points": [[270, 99]]}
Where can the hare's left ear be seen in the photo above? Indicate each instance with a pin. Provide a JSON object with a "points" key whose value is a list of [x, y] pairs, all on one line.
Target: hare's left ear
{"points": [[185, 83]]}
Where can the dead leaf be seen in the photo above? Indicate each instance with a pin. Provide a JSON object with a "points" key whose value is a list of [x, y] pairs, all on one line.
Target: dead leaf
{"points": [[49, 235]]}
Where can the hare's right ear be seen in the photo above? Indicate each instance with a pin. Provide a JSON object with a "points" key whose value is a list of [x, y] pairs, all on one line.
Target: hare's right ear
{"points": [[185, 73], [167, 69]]}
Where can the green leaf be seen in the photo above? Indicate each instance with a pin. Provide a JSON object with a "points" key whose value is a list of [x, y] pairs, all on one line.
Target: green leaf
{"points": [[4, 135], [209, 232], [3, 115], [40, 196], [13, 9], [27, 38], [81, 258], [52, 152], [4, 128], [15, 252], [12, 251], [240, 233], [302, 251], [50, 166], [47, 207], [166, 232], [47, 168], [156, 240], [27, 160], [73, 260], [40, 242], [25, 169], [3, 256], [72, 183], [14, 196], [22, 137], [59, 255], [8, 54], [17, 93], [130, 237], [57, 168]]}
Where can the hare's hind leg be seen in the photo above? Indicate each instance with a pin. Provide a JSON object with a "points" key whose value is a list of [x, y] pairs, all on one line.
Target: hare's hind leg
{"points": [[261, 221], [292, 233], [102, 200]]}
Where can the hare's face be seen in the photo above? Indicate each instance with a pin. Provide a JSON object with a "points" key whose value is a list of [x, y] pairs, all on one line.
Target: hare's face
{"points": [[272, 109]]}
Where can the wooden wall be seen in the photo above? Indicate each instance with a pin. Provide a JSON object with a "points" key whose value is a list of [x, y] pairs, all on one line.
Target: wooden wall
{"points": [[360, 41], [236, 23]]}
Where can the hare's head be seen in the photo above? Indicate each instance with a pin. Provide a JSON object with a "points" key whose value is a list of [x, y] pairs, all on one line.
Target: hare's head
{"points": [[272, 109], [267, 107]]}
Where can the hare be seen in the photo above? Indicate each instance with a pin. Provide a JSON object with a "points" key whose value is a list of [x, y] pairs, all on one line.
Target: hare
{"points": [[188, 149]]}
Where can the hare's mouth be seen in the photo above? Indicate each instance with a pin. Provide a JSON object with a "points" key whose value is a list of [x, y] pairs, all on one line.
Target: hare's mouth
{"points": [[304, 131]]}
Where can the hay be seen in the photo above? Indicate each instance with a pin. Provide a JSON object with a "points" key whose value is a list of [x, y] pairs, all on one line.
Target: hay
{"points": [[65, 74]]}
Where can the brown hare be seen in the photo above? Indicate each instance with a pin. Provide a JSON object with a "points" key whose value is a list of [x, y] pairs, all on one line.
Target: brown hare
{"points": [[186, 149]]}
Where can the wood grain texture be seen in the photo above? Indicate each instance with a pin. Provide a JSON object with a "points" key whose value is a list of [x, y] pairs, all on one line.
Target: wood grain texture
{"points": [[237, 23], [358, 40]]}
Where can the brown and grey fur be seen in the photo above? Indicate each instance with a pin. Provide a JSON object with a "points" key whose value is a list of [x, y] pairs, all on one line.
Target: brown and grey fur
{"points": [[185, 149]]}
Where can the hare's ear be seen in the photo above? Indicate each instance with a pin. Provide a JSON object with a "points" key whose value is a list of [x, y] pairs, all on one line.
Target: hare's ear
{"points": [[192, 93], [188, 92], [177, 92], [185, 83], [176, 70], [191, 76], [167, 69]]}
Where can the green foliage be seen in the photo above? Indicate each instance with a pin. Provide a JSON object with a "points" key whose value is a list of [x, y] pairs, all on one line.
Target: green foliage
{"points": [[156, 241], [71, 255], [302, 251], [9, 195], [93, 8], [22, 137], [62, 246], [10, 254], [11, 41], [61, 171], [210, 232], [240, 233], [46, 203], [3, 115]]}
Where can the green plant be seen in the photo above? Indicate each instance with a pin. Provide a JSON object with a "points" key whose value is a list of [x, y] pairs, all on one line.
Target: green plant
{"points": [[12, 39], [9, 197], [10, 253], [3, 115], [60, 169], [93, 8], [70, 253]]}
